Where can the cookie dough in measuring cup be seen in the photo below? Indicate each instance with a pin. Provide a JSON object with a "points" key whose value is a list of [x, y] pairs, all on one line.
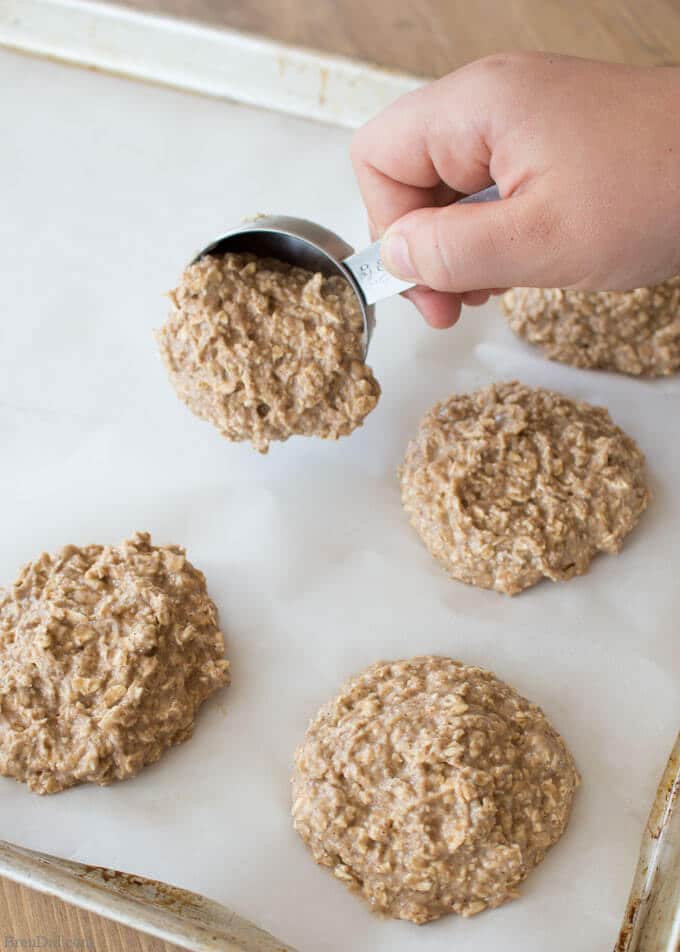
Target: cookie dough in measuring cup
{"points": [[269, 330]]}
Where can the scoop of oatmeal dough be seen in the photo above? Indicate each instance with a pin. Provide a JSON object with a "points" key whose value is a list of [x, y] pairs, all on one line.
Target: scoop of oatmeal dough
{"points": [[264, 350], [106, 654], [632, 332], [509, 484], [431, 787]]}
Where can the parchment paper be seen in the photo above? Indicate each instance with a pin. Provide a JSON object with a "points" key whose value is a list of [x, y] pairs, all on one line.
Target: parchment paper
{"points": [[108, 188]]}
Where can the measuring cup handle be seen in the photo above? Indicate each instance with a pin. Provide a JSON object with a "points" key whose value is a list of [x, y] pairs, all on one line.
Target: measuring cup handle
{"points": [[490, 194], [372, 276]]}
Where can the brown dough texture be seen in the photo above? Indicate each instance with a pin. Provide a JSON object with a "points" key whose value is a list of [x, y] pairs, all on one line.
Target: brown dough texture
{"points": [[265, 351], [106, 654], [631, 332], [429, 786], [510, 484]]}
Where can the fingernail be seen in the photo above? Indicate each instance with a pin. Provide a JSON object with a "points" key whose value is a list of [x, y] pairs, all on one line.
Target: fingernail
{"points": [[396, 256]]}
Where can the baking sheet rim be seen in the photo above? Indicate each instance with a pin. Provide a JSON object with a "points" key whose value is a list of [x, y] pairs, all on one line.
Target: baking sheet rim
{"points": [[198, 58]]}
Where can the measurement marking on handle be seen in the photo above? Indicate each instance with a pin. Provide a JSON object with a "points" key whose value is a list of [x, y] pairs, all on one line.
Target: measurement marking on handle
{"points": [[372, 276]]}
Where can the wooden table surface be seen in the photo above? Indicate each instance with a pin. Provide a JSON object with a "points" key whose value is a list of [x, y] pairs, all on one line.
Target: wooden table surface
{"points": [[429, 38], [29, 916], [432, 37]]}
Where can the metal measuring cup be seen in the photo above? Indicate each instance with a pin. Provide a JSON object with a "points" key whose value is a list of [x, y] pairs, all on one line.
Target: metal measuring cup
{"points": [[308, 245]]}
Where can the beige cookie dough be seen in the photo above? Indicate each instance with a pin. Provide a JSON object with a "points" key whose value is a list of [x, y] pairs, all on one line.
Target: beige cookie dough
{"points": [[106, 654], [510, 484], [632, 332], [265, 351], [429, 787]]}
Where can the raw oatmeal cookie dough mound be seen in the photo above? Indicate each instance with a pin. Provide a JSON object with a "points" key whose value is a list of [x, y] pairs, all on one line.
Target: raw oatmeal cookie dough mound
{"points": [[431, 787], [106, 654], [510, 484], [264, 350], [632, 332]]}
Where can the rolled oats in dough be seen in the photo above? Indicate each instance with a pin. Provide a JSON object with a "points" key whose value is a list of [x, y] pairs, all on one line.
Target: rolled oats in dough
{"points": [[632, 332], [106, 654], [264, 350], [430, 787], [510, 484]]}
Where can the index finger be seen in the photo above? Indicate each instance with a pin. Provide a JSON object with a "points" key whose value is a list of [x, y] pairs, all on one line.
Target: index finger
{"points": [[420, 152]]}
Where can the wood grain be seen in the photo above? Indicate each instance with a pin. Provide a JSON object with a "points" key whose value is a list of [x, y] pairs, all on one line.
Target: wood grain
{"points": [[432, 37], [28, 915], [429, 38]]}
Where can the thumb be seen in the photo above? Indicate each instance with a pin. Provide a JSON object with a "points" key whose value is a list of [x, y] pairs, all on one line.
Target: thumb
{"points": [[468, 247]]}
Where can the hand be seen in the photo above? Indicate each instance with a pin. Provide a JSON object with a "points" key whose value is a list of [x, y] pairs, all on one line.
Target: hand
{"points": [[587, 159]]}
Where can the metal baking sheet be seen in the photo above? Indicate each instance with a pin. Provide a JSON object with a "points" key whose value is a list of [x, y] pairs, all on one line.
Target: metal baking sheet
{"points": [[189, 55], [109, 188], [651, 922]]}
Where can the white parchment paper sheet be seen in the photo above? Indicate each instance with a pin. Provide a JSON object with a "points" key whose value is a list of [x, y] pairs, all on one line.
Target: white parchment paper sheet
{"points": [[108, 188]]}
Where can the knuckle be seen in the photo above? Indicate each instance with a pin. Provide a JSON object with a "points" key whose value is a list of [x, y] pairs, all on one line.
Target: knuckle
{"points": [[542, 226], [447, 255], [494, 80], [493, 62], [539, 232], [547, 234], [441, 267], [512, 60]]}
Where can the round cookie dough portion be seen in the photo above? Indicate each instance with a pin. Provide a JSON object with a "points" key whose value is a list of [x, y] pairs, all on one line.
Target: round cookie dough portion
{"points": [[431, 787], [631, 332], [510, 484], [264, 350], [106, 654]]}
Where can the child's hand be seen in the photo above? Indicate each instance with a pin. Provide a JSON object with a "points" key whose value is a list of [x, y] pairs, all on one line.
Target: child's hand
{"points": [[586, 156]]}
